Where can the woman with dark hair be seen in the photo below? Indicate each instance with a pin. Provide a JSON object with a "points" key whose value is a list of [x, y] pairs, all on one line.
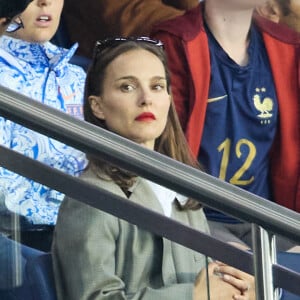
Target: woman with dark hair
{"points": [[102, 257], [171, 142]]}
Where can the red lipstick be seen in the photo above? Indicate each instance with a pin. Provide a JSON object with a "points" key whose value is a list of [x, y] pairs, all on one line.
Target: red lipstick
{"points": [[145, 117]]}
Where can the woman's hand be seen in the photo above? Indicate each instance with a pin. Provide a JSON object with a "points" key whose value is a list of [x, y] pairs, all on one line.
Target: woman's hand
{"points": [[225, 282], [239, 279]]}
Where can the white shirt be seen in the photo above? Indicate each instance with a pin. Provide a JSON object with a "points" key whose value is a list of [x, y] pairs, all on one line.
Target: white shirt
{"points": [[166, 197]]}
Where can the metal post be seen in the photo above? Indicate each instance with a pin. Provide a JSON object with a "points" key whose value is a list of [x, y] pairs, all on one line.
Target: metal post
{"points": [[264, 250], [16, 252]]}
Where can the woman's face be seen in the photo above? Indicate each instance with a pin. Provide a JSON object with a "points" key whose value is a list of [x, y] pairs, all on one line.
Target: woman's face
{"points": [[41, 19], [134, 101]]}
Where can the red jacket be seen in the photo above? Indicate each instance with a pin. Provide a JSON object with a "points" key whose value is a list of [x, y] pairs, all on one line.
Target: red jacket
{"points": [[189, 60]]}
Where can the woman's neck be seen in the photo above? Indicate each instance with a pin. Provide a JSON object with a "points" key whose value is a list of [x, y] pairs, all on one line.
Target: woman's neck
{"points": [[230, 28]]}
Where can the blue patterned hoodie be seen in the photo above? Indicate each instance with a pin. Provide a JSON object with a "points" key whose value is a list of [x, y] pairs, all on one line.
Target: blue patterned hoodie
{"points": [[42, 72]]}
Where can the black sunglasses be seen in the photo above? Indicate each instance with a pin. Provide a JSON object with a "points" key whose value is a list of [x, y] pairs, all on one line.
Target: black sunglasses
{"points": [[112, 42], [14, 24]]}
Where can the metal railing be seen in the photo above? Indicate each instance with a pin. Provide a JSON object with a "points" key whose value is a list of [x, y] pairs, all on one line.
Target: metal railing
{"points": [[158, 168]]}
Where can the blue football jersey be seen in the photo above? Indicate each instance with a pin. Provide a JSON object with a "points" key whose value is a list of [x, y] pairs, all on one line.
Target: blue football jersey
{"points": [[241, 120]]}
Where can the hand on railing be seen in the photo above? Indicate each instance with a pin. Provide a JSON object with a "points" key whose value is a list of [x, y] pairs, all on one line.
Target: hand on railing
{"points": [[224, 282]]}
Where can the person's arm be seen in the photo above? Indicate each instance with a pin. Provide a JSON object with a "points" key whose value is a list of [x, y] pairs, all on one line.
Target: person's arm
{"points": [[12, 185], [18, 193], [84, 251]]}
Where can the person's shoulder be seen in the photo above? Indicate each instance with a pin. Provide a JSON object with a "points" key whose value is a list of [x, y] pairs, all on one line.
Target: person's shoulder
{"points": [[102, 181], [186, 26], [277, 32], [76, 70], [9, 60], [89, 178], [71, 209], [12, 72]]}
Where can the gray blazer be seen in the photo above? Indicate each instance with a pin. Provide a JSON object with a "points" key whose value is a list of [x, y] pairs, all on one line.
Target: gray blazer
{"points": [[98, 256]]}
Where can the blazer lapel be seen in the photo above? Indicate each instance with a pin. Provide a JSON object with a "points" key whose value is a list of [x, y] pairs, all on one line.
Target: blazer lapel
{"points": [[143, 194]]}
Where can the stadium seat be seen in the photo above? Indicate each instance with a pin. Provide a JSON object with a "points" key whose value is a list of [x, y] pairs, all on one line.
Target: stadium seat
{"points": [[40, 277], [34, 270], [291, 261]]}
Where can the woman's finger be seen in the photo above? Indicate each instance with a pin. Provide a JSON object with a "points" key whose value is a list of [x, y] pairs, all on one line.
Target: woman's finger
{"points": [[240, 284]]}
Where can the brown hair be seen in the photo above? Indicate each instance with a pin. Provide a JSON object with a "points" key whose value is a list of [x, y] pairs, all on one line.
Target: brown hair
{"points": [[172, 141]]}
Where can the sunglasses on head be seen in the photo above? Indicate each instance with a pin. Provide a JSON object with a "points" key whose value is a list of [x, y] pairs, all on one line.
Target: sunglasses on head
{"points": [[112, 42]]}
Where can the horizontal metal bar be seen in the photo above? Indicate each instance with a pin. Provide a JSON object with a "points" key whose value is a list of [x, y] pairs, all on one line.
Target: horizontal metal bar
{"points": [[188, 181]]}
